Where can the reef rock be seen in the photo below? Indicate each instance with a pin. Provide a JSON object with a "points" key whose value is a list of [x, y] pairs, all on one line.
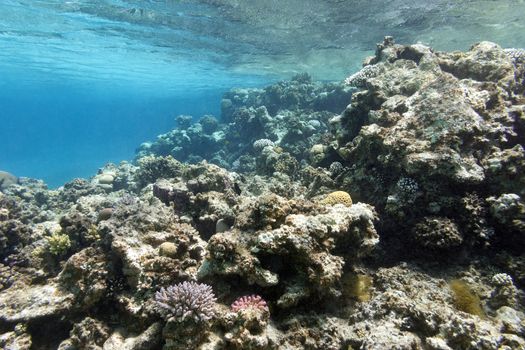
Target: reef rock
{"points": [[21, 304], [452, 123], [311, 248]]}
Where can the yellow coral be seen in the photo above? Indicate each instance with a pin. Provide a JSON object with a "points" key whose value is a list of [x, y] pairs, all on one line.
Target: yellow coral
{"points": [[58, 243], [278, 149], [93, 235], [337, 197]]}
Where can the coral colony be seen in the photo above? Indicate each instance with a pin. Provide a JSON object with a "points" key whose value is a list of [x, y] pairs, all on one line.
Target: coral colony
{"points": [[249, 302], [187, 300]]}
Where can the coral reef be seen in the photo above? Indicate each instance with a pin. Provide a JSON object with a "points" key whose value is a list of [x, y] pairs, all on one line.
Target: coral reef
{"points": [[291, 115], [7, 179], [386, 212], [431, 130], [311, 248]]}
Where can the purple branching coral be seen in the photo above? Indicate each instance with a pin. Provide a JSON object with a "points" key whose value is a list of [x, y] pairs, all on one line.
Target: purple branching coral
{"points": [[187, 301], [250, 301]]}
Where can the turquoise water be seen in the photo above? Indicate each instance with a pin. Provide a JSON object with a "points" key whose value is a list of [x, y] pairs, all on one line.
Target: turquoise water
{"points": [[85, 82]]}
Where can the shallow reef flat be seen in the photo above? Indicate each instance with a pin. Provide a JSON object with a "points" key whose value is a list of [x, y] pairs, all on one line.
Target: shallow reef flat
{"points": [[382, 212]]}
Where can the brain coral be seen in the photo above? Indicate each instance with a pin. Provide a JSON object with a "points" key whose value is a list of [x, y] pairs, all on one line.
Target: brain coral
{"points": [[337, 197]]}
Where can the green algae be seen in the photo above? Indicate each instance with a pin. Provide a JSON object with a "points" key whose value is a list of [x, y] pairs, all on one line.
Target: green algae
{"points": [[465, 299], [357, 286]]}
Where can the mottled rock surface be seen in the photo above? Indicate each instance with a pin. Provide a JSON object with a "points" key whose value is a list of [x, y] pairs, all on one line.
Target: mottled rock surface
{"points": [[451, 123]]}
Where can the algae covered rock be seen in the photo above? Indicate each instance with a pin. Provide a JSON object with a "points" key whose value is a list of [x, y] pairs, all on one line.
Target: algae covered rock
{"points": [[452, 123], [34, 302], [150, 338], [437, 233], [85, 275], [152, 168], [77, 188], [17, 339], [316, 247], [88, 333]]}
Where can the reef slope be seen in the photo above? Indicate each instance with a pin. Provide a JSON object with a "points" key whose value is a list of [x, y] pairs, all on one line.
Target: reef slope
{"points": [[383, 212]]}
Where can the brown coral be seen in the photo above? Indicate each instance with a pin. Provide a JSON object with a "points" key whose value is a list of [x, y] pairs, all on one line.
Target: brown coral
{"points": [[337, 197]]}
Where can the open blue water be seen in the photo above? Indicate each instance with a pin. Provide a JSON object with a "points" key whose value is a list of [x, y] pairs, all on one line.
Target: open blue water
{"points": [[78, 90], [85, 82], [58, 132]]}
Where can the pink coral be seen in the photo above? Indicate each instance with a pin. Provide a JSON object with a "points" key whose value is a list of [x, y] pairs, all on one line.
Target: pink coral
{"points": [[250, 301]]}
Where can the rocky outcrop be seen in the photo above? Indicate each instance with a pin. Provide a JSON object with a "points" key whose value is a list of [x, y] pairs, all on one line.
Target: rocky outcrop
{"points": [[437, 136]]}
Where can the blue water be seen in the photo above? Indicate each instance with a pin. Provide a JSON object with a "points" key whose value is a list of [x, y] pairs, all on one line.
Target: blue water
{"points": [[80, 90], [59, 132], [85, 82]]}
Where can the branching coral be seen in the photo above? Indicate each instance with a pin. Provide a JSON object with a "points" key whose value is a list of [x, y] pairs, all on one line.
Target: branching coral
{"points": [[186, 301], [260, 144], [250, 301], [59, 243]]}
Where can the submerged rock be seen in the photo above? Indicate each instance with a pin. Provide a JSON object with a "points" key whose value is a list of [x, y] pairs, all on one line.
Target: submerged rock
{"points": [[452, 123]]}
